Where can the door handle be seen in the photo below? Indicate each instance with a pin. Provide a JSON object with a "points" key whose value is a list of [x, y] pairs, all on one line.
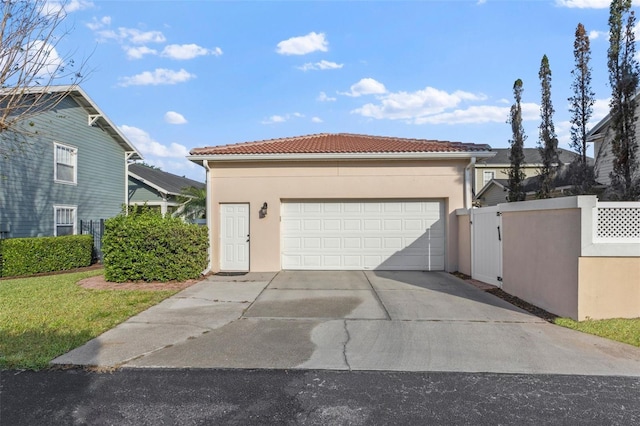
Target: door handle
{"points": [[499, 236], [248, 239]]}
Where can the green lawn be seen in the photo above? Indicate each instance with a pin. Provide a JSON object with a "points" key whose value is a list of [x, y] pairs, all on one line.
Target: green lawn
{"points": [[44, 317], [622, 330]]}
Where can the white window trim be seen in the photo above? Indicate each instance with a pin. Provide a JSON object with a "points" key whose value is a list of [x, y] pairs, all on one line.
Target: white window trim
{"points": [[55, 218], [74, 153], [484, 180]]}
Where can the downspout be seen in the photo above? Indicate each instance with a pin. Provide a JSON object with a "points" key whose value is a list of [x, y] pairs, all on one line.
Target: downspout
{"points": [[468, 183], [205, 164]]}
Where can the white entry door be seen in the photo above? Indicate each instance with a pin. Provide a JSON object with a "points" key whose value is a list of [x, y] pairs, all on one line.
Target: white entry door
{"points": [[234, 237], [356, 235]]}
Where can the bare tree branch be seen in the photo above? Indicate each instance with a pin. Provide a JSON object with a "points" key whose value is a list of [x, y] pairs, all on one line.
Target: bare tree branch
{"points": [[30, 63]]}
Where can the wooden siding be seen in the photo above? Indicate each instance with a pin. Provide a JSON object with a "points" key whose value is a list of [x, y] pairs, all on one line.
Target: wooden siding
{"points": [[494, 196], [27, 189], [139, 192], [603, 155]]}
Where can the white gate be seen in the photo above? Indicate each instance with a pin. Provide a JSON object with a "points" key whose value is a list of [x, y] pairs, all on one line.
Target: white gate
{"points": [[486, 245]]}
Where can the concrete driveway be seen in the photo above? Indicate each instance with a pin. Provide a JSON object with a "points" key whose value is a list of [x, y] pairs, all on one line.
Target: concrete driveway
{"points": [[353, 320]]}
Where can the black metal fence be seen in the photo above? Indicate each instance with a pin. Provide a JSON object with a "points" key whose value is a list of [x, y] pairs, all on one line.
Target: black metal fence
{"points": [[95, 228]]}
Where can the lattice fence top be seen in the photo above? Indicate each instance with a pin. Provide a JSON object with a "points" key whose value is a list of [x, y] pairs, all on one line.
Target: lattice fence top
{"points": [[618, 222]]}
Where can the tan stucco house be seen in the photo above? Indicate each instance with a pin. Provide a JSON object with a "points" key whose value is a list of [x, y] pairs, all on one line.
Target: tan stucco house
{"points": [[337, 201]]}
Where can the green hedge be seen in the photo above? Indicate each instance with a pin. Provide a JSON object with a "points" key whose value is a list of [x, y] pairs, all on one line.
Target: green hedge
{"points": [[145, 246], [27, 256]]}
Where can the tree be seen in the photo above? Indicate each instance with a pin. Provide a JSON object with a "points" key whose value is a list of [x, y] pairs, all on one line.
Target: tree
{"points": [[30, 30], [623, 79], [581, 109], [516, 151], [193, 203], [548, 141]]}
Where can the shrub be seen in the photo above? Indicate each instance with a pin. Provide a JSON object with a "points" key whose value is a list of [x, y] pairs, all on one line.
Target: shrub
{"points": [[27, 256], [145, 246]]}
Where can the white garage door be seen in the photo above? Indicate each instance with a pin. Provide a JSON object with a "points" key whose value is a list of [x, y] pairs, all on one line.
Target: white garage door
{"points": [[385, 235]]}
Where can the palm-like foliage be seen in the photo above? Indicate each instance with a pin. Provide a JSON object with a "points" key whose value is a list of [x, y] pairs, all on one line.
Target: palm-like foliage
{"points": [[193, 203]]}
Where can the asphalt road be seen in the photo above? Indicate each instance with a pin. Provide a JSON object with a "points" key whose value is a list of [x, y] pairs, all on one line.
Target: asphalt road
{"points": [[285, 397]]}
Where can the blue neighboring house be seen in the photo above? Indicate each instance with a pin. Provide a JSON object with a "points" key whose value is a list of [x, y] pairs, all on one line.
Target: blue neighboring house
{"points": [[70, 167], [158, 189]]}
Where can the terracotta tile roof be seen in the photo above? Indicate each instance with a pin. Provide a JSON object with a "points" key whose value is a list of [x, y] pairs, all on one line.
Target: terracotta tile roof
{"points": [[330, 143]]}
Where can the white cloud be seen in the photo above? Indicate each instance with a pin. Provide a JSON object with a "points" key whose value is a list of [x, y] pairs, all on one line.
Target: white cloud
{"points": [[142, 37], [160, 76], [471, 115], [173, 117], [480, 2], [139, 52], [97, 24], [594, 34], [316, 120], [415, 105], [530, 111], [600, 110], [322, 65], [304, 44], [41, 59], [366, 86], [281, 118], [584, 4], [131, 35], [322, 97], [52, 7], [188, 51], [148, 146]]}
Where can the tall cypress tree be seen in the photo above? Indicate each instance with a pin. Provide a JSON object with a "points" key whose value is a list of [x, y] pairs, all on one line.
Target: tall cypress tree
{"points": [[548, 141], [623, 78], [516, 150], [581, 109]]}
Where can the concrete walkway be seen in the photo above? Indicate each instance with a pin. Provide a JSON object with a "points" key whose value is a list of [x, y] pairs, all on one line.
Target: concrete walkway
{"points": [[353, 320]]}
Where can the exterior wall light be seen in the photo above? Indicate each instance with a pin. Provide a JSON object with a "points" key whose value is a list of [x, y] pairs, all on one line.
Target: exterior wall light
{"points": [[263, 210]]}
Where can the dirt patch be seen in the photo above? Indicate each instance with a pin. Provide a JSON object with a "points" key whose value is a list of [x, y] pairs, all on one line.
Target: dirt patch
{"points": [[99, 283], [532, 309]]}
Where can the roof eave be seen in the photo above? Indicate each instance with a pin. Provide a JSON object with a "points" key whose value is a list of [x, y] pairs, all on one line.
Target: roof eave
{"points": [[103, 121], [152, 184], [198, 158], [80, 96]]}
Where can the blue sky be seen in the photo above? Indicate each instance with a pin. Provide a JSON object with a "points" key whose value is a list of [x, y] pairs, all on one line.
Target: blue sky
{"points": [[175, 75]]}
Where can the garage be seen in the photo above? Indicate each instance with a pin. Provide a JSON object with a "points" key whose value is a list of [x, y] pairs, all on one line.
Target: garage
{"points": [[334, 201], [363, 234]]}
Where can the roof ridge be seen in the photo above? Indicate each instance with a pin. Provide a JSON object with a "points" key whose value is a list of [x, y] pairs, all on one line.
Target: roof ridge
{"points": [[341, 143]]}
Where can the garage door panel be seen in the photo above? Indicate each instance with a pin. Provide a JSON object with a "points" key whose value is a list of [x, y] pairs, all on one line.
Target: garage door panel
{"points": [[392, 224], [331, 243], [352, 225], [407, 235], [332, 225]]}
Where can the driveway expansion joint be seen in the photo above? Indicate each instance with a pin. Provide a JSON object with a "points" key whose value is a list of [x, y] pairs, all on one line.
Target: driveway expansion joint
{"points": [[376, 295]]}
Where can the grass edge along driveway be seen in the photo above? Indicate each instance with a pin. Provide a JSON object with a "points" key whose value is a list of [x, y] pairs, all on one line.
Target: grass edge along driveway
{"points": [[47, 316]]}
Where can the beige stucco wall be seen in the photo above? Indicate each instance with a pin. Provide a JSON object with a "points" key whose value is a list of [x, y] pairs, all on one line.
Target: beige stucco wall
{"points": [[540, 258], [273, 182], [609, 287], [464, 244]]}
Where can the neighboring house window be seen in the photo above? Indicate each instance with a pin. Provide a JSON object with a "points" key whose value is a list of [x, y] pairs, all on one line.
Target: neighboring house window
{"points": [[65, 158], [65, 220], [487, 176]]}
